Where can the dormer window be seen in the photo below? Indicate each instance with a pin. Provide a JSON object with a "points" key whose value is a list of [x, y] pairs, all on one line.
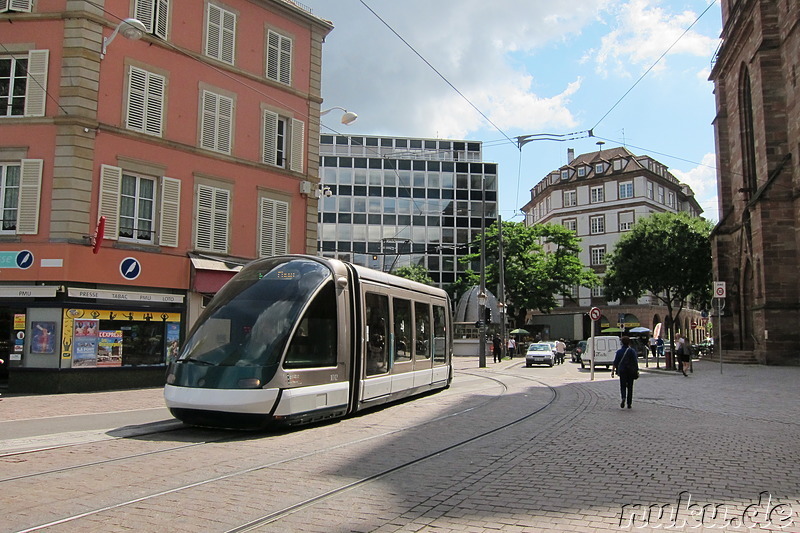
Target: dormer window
{"points": [[581, 172], [598, 168], [618, 164], [565, 174]]}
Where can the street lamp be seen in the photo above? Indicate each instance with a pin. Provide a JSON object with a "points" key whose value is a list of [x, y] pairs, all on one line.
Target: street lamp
{"points": [[130, 28], [482, 293], [347, 118]]}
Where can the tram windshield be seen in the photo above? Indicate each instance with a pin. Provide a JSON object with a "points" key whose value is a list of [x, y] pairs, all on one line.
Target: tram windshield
{"points": [[250, 319]]}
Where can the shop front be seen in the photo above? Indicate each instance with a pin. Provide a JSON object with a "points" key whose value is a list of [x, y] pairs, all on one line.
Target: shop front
{"points": [[69, 339]]}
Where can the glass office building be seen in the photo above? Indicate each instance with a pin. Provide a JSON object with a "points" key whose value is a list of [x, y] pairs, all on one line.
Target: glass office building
{"points": [[389, 202]]}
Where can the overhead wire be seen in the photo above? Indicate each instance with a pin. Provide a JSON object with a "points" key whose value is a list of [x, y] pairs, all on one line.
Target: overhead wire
{"points": [[481, 113]]}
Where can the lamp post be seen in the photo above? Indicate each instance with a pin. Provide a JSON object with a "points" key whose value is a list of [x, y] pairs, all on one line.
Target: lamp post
{"points": [[130, 28], [482, 293], [347, 118]]}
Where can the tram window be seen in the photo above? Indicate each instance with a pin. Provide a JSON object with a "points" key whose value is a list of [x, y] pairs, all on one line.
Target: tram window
{"points": [[439, 334], [422, 321], [402, 329], [315, 339], [377, 309]]}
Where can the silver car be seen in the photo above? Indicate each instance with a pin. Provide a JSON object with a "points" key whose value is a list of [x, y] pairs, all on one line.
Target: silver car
{"points": [[540, 353]]}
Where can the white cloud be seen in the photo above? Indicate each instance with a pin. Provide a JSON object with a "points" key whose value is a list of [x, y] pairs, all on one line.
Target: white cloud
{"points": [[703, 181], [643, 32], [477, 46]]}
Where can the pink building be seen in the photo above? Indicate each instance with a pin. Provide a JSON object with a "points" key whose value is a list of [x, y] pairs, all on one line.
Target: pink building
{"points": [[196, 144]]}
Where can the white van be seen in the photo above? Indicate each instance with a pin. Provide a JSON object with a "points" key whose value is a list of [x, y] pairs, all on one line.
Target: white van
{"points": [[605, 349]]}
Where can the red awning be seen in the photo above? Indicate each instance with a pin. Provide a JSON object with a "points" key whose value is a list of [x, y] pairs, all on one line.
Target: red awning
{"points": [[210, 281]]}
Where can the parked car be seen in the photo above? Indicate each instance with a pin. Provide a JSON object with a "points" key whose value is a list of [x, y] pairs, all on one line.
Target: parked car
{"points": [[577, 351], [539, 353], [605, 349]]}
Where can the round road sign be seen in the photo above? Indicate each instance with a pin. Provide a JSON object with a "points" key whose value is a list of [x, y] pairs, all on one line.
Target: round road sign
{"points": [[594, 313]]}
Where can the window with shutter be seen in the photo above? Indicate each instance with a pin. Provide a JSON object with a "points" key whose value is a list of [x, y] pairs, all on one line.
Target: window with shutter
{"points": [[283, 141], [16, 5], [274, 234], [279, 58], [154, 15], [129, 202], [221, 34], [23, 82], [211, 226], [145, 106], [216, 122]]}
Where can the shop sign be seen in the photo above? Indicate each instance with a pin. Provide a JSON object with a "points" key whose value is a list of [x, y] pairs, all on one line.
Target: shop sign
{"points": [[125, 296], [19, 321]]}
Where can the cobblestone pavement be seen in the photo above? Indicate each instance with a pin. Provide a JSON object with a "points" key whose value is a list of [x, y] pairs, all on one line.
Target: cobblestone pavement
{"points": [[709, 452]]}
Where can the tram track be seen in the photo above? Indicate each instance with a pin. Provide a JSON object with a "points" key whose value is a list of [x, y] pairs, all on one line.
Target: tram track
{"points": [[299, 458], [227, 438]]}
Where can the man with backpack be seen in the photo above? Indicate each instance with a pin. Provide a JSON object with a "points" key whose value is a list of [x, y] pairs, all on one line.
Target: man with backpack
{"points": [[626, 366]]}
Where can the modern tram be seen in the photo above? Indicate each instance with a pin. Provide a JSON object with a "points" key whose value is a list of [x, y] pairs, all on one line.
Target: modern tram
{"points": [[296, 339]]}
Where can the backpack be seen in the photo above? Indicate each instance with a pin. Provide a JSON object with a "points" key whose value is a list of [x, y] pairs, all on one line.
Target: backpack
{"points": [[629, 363]]}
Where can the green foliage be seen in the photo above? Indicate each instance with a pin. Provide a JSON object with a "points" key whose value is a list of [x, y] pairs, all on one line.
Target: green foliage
{"points": [[415, 273], [541, 262], [666, 254]]}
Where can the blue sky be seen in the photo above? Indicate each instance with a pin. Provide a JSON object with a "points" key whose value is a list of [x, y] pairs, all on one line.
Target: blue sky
{"points": [[530, 66]]}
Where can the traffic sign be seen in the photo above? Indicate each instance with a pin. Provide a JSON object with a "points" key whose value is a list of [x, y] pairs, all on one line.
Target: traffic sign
{"points": [[694, 324], [719, 289], [594, 313]]}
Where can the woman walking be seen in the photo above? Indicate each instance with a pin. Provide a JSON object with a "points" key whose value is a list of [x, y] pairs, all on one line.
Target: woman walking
{"points": [[626, 366]]}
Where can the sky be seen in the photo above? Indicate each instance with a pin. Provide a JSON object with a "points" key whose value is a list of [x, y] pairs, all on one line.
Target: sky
{"points": [[493, 71]]}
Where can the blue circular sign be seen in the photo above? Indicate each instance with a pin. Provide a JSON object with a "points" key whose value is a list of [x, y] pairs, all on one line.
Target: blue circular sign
{"points": [[24, 259], [130, 268]]}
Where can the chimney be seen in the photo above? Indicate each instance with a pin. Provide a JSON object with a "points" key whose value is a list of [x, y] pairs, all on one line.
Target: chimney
{"points": [[570, 155]]}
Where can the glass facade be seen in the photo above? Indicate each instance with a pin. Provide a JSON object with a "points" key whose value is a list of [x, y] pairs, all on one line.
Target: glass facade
{"points": [[399, 201]]}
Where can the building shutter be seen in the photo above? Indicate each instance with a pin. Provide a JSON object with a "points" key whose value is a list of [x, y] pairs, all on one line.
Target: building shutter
{"points": [[221, 210], [270, 146], [16, 5], [108, 206], [169, 223], [221, 34], [35, 90], [145, 101], [161, 22], [216, 123], [213, 206], [296, 155], [30, 188], [144, 11], [274, 232]]}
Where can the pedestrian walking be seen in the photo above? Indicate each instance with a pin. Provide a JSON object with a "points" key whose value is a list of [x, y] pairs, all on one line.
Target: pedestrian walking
{"points": [[653, 343], [626, 366], [561, 349], [497, 349], [512, 347], [684, 353]]}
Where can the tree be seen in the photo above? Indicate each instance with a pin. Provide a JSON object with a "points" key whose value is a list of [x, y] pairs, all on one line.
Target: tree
{"points": [[415, 273], [667, 255], [541, 262]]}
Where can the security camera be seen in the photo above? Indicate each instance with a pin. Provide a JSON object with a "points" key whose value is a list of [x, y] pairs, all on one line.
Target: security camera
{"points": [[327, 192]]}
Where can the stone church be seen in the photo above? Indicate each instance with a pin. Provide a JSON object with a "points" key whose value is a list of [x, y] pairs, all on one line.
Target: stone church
{"points": [[756, 244]]}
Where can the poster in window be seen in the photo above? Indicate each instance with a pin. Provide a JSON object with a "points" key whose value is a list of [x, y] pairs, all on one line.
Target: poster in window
{"points": [[44, 337], [109, 348], [84, 345]]}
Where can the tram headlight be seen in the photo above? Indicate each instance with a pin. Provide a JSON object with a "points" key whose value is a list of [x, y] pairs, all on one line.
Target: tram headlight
{"points": [[249, 383]]}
